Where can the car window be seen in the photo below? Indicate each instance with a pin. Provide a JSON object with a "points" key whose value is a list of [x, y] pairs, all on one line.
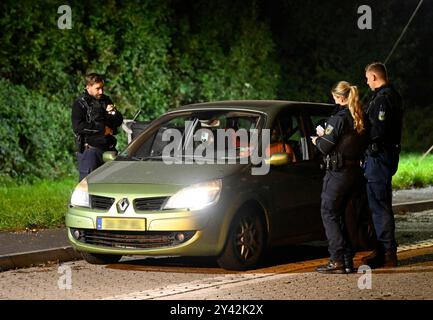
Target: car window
{"points": [[215, 133], [286, 137]]}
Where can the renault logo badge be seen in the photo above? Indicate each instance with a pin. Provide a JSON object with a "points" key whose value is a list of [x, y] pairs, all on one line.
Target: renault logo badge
{"points": [[122, 205]]}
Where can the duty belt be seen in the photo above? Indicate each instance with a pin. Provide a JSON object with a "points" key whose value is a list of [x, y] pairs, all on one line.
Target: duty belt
{"points": [[351, 162], [336, 163]]}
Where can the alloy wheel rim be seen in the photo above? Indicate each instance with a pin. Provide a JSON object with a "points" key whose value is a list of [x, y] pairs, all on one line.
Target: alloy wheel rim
{"points": [[247, 239]]}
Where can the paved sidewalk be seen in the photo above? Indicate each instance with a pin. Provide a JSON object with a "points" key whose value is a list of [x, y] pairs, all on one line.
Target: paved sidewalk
{"points": [[409, 195], [26, 248], [25, 241]]}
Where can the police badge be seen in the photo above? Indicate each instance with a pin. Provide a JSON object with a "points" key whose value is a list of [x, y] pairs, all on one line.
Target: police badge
{"points": [[329, 129], [381, 115]]}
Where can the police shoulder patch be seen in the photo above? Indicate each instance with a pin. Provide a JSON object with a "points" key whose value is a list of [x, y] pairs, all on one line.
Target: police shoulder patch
{"points": [[381, 115], [329, 129]]}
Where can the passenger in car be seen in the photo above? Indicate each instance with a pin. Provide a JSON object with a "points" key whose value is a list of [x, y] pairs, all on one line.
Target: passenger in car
{"points": [[278, 146], [342, 142]]}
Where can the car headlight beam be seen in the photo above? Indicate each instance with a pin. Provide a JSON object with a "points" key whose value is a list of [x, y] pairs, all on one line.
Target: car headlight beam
{"points": [[80, 196], [195, 197]]}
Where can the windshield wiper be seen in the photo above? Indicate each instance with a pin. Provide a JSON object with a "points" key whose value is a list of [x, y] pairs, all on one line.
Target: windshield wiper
{"points": [[127, 158], [150, 158]]}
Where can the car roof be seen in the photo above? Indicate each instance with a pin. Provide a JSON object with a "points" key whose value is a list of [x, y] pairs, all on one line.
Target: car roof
{"points": [[264, 106]]}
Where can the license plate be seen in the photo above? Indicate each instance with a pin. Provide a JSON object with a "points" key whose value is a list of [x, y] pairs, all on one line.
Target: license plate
{"points": [[132, 224]]}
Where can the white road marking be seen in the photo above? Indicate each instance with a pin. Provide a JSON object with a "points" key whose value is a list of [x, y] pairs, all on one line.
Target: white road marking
{"points": [[204, 284], [416, 245], [208, 285]]}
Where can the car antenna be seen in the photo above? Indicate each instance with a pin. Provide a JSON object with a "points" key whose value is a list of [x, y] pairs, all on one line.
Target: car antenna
{"points": [[136, 115]]}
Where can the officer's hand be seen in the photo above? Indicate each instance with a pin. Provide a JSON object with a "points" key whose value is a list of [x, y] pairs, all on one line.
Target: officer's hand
{"points": [[314, 139], [111, 109], [108, 131]]}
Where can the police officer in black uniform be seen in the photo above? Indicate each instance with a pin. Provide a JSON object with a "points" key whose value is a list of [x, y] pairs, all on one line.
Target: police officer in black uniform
{"points": [[383, 116], [94, 121], [342, 143]]}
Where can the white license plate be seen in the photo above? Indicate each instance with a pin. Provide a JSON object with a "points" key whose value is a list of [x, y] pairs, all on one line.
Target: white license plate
{"points": [[132, 224]]}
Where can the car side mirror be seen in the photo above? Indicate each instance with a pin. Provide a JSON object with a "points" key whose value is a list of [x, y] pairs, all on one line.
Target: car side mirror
{"points": [[109, 156], [278, 159]]}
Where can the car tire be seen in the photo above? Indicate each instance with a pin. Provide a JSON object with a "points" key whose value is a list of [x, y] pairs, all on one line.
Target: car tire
{"points": [[95, 258], [245, 243]]}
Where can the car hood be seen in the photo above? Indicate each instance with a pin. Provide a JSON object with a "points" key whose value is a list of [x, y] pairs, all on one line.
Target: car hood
{"points": [[140, 172]]}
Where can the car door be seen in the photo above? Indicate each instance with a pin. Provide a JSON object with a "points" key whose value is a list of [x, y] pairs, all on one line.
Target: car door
{"points": [[296, 187]]}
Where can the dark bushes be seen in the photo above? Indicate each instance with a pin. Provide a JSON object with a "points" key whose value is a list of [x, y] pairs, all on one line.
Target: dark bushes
{"points": [[35, 135]]}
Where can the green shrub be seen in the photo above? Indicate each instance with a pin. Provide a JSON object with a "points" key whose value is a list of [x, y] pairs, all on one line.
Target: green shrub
{"points": [[417, 129], [35, 135]]}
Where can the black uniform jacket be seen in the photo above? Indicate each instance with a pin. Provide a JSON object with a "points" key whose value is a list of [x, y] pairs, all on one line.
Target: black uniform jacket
{"points": [[383, 115], [340, 136], [89, 118]]}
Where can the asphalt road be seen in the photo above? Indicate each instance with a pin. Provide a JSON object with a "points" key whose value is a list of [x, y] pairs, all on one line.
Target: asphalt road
{"points": [[288, 273]]}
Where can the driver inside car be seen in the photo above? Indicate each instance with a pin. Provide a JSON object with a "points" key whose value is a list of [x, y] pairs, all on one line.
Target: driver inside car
{"points": [[277, 145]]}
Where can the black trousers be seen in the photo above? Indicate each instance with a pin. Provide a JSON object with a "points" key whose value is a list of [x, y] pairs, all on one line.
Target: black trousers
{"points": [[89, 160], [338, 188]]}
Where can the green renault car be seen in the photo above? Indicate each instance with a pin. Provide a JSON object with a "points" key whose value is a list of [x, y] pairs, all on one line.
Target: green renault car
{"points": [[225, 179]]}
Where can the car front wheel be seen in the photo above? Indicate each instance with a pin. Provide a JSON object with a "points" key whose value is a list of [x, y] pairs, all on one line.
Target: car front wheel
{"points": [[245, 242], [95, 258]]}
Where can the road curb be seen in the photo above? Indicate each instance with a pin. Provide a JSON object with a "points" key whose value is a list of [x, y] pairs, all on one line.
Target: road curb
{"points": [[415, 206], [31, 258]]}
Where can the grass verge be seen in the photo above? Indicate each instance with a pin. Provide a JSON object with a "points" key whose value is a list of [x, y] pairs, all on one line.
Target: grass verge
{"points": [[39, 205], [413, 172]]}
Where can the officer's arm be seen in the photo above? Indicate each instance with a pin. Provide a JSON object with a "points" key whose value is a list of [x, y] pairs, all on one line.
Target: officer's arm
{"points": [[112, 120], [115, 120], [327, 142], [79, 121], [377, 117]]}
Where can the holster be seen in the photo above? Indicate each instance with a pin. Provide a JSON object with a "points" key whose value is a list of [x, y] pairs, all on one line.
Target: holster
{"points": [[79, 143], [336, 161], [373, 149]]}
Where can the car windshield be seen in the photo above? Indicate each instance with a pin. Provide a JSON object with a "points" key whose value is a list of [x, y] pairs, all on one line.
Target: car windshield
{"points": [[216, 134]]}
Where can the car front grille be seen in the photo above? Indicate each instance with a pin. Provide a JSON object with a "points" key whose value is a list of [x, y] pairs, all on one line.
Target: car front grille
{"points": [[144, 204], [132, 239], [103, 203]]}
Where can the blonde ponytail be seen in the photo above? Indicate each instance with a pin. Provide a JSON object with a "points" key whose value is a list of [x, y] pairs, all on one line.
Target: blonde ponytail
{"points": [[356, 109], [346, 90]]}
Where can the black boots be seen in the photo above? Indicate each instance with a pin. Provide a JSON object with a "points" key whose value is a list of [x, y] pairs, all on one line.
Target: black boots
{"points": [[390, 259], [348, 264], [380, 258], [332, 267]]}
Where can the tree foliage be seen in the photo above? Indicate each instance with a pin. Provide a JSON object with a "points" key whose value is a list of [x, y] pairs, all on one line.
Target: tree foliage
{"points": [[34, 142], [162, 54]]}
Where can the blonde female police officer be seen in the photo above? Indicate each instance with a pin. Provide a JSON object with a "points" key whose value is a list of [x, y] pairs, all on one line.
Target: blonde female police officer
{"points": [[342, 143]]}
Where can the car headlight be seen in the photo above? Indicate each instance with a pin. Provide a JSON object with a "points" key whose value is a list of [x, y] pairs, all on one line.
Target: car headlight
{"points": [[80, 196], [195, 197]]}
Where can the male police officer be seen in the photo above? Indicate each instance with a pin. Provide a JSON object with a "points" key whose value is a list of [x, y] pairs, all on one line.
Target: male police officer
{"points": [[94, 120], [383, 116]]}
